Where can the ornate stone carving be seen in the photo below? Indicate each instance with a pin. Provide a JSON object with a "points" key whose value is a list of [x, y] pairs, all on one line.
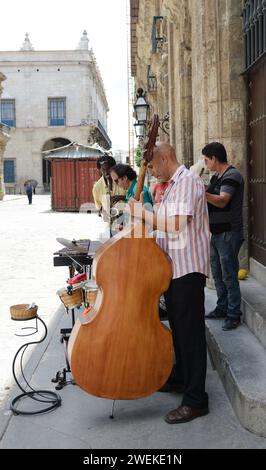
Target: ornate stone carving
{"points": [[27, 46], [84, 42]]}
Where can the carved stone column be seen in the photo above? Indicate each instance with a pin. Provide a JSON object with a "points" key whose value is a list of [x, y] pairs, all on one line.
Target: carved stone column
{"points": [[4, 136], [3, 141]]}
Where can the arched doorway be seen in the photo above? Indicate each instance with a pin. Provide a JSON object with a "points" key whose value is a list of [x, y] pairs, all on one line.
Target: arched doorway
{"points": [[46, 165]]}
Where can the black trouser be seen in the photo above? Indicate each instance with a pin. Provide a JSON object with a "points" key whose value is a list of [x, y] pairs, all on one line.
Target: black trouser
{"points": [[185, 308], [29, 194]]}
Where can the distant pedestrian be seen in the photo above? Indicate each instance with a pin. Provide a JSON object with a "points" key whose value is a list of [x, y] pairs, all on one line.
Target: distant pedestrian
{"points": [[29, 191], [33, 182]]}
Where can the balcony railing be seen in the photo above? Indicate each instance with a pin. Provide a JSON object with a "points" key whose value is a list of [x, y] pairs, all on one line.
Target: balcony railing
{"points": [[104, 133], [96, 124], [4, 129]]}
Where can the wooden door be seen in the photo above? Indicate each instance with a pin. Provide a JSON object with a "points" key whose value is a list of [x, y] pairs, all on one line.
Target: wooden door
{"points": [[257, 159]]}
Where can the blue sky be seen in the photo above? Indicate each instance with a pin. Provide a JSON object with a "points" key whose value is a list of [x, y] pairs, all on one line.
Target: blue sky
{"points": [[58, 24]]}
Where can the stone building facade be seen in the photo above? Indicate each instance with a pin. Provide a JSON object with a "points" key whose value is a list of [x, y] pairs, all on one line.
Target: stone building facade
{"points": [[4, 136], [51, 98], [204, 63], [188, 57], [172, 38]]}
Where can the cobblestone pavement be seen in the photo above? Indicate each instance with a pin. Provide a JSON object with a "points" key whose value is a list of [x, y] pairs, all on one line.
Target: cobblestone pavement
{"points": [[28, 240]]}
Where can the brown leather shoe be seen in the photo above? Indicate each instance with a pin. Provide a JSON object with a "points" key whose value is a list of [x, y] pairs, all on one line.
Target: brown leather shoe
{"points": [[183, 414]]}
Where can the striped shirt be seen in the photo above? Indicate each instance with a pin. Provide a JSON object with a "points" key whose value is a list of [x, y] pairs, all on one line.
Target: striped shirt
{"points": [[189, 247]]}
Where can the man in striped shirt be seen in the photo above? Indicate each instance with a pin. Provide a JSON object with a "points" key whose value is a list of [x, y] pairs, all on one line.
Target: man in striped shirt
{"points": [[182, 230]]}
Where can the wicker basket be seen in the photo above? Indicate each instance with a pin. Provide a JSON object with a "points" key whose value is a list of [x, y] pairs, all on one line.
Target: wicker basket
{"points": [[72, 300], [23, 312]]}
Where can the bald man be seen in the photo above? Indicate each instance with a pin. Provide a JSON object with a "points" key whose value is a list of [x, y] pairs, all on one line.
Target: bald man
{"points": [[182, 230]]}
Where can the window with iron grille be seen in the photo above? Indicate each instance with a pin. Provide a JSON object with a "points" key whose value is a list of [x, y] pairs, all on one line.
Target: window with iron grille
{"points": [[157, 34], [8, 112], [9, 171], [56, 111], [254, 27]]}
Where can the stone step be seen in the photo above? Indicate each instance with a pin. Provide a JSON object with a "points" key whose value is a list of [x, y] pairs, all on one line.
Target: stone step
{"points": [[240, 360], [254, 307]]}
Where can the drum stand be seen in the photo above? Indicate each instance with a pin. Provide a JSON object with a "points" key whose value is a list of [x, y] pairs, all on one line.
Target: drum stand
{"points": [[61, 377], [51, 400]]}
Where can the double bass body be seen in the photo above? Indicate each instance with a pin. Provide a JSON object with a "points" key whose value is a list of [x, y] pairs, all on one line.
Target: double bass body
{"points": [[122, 350]]}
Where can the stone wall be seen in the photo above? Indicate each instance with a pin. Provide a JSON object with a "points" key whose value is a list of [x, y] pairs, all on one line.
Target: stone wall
{"points": [[219, 96], [198, 67]]}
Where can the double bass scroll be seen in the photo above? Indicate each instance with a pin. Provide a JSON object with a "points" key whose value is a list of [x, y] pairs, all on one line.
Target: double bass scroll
{"points": [[147, 155]]}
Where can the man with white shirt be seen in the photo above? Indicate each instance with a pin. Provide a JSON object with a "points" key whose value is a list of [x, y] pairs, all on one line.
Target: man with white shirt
{"points": [[105, 191]]}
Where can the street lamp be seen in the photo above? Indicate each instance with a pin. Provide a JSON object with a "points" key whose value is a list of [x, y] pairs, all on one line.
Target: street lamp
{"points": [[157, 34], [141, 108], [151, 80], [139, 130]]}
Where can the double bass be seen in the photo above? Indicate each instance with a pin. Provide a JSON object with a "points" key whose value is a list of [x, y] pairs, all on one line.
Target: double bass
{"points": [[121, 350]]}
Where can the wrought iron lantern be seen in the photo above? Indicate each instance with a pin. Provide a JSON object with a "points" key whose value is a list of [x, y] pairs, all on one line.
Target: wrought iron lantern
{"points": [[139, 130], [141, 107], [151, 80], [157, 33]]}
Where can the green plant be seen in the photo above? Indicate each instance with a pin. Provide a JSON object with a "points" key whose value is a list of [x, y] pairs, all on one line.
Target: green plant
{"points": [[138, 156]]}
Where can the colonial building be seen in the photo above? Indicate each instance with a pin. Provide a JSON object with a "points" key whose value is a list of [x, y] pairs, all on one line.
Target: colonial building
{"points": [[204, 63], [51, 98], [4, 136]]}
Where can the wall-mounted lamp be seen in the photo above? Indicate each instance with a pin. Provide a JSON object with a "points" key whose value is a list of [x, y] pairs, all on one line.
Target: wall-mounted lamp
{"points": [[139, 130], [141, 112], [141, 107], [157, 33], [151, 80]]}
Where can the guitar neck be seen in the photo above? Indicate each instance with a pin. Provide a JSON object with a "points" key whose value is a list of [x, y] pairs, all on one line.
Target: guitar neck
{"points": [[140, 182]]}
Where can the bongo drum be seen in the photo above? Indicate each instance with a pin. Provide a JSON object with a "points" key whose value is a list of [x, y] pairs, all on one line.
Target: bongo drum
{"points": [[71, 298], [90, 293]]}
